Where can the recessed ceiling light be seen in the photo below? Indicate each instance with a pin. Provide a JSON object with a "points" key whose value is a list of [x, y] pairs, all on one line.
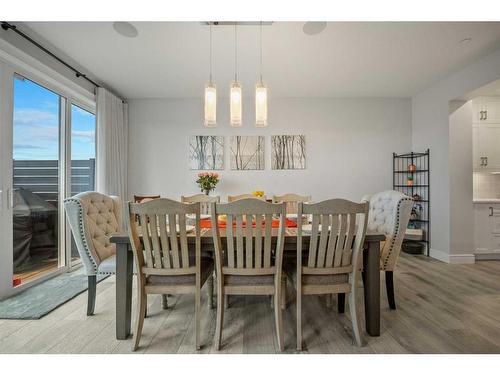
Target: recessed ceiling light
{"points": [[313, 28], [465, 40], [125, 29]]}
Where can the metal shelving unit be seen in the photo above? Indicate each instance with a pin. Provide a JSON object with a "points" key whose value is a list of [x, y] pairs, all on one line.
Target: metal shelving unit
{"points": [[414, 167]]}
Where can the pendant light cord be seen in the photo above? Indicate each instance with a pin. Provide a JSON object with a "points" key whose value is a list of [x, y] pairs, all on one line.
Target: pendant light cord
{"points": [[261, 52], [210, 64], [235, 53]]}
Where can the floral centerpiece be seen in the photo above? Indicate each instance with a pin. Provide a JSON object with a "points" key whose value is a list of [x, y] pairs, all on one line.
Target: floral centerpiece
{"points": [[207, 181]]}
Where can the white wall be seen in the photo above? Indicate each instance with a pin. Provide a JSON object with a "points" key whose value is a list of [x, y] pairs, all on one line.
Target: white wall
{"points": [[349, 145], [431, 129], [462, 214]]}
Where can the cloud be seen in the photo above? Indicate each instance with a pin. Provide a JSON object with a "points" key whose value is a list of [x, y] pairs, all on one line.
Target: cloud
{"points": [[83, 134], [26, 146], [32, 116]]}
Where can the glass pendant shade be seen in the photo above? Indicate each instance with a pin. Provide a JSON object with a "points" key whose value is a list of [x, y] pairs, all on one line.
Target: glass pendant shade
{"points": [[210, 105], [260, 105], [235, 104]]}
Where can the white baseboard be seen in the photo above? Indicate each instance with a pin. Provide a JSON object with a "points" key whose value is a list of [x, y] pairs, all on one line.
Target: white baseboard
{"points": [[487, 255], [439, 255], [452, 258]]}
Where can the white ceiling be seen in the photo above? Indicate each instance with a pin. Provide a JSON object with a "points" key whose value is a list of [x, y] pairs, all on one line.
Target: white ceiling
{"points": [[348, 59]]}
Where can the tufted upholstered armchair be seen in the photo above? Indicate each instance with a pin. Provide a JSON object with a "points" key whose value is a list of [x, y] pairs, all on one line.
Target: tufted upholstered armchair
{"points": [[389, 213], [93, 217]]}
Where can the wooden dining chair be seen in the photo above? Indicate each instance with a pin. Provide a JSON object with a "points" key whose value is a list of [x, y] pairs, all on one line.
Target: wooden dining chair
{"points": [[337, 234], [292, 201], [203, 199], [248, 264], [234, 198], [165, 263]]}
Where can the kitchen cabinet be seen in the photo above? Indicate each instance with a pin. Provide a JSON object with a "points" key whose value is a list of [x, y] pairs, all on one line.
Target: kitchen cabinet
{"points": [[487, 228], [486, 147], [486, 110]]}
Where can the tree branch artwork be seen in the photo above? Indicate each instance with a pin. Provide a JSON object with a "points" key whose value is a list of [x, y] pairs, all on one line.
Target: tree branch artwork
{"points": [[288, 151], [246, 152], [206, 152]]}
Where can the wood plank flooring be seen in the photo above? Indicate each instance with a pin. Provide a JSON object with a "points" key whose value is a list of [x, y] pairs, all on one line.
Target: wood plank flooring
{"points": [[442, 308]]}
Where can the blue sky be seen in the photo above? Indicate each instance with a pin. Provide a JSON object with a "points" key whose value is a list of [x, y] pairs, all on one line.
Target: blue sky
{"points": [[36, 125]]}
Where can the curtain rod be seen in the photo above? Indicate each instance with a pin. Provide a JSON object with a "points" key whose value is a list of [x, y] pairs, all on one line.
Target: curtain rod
{"points": [[7, 26]]}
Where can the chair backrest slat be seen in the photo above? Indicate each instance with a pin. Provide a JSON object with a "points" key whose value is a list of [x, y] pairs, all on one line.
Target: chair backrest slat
{"points": [[313, 242], [146, 240], [230, 241], [164, 245], [257, 217], [323, 240], [155, 243], [239, 242], [258, 241], [183, 241], [332, 241], [203, 199], [333, 230], [339, 249], [174, 244], [248, 241], [267, 240]]}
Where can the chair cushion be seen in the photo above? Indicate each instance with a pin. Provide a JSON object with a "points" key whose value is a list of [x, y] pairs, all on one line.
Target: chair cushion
{"points": [[108, 265], [249, 280], [207, 267], [290, 268]]}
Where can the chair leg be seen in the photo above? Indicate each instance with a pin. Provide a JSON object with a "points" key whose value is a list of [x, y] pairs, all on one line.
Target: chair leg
{"points": [[226, 301], [389, 287], [220, 316], [353, 308], [197, 304], [164, 302], [299, 320], [272, 302], [146, 306], [341, 303], [139, 321], [92, 280], [210, 286], [278, 315], [283, 295]]}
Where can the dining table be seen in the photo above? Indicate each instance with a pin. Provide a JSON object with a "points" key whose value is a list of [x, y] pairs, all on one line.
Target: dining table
{"points": [[124, 273]]}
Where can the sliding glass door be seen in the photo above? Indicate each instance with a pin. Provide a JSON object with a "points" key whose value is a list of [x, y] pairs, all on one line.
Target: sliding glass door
{"points": [[83, 151], [37, 176]]}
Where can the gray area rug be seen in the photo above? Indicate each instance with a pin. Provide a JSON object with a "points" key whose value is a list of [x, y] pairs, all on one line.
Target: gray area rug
{"points": [[41, 299]]}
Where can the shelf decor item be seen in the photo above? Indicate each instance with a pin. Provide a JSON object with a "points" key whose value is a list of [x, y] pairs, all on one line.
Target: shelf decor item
{"points": [[207, 181], [258, 193], [411, 173]]}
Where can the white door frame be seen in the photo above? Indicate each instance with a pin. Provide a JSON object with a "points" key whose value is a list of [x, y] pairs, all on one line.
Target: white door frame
{"points": [[11, 63]]}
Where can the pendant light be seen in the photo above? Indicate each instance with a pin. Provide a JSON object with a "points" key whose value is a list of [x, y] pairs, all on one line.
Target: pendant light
{"points": [[210, 95], [261, 95], [235, 97]]}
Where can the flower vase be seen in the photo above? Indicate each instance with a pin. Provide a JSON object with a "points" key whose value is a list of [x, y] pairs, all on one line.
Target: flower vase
{"points": [[207, 192]]}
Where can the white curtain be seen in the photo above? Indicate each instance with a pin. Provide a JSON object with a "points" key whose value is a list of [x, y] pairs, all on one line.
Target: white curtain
{"points": [[112, 144]]}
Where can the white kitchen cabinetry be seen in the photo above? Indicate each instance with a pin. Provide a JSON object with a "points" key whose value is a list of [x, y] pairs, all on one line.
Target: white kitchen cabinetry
{"points": [[486, 134], [487, 229], [486, 110]]}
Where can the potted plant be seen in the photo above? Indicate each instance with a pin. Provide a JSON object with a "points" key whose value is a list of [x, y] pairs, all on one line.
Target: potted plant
{"points": [[207, 181], [409, 180]]}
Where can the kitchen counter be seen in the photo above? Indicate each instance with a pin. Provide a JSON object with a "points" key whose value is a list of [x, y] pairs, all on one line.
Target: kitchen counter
{"points": [[486, 201]]}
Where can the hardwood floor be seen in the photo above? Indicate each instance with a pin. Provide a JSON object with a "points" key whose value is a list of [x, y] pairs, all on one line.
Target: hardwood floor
{"points": [[442, 308]]}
